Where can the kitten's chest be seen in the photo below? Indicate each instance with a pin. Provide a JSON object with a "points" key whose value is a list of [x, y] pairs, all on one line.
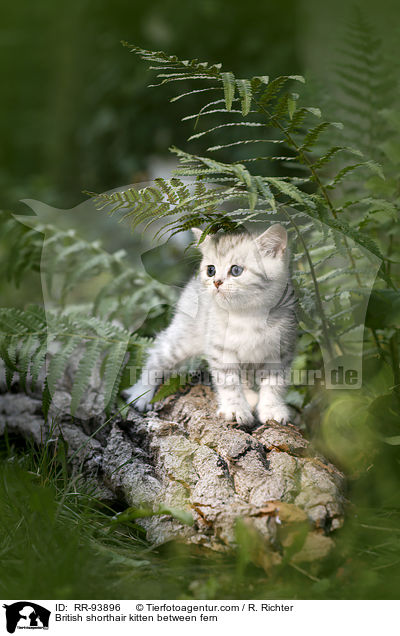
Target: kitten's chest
{"points": [[248, 338]]}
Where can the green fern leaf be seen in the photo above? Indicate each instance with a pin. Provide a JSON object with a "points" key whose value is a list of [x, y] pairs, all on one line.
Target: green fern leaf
{"points": [[275, 87], [245, 92], [16, 322], [8, 352], [171, 386], [199, 90], [331, 153], [25, 354], [86, 365], [228, 82], [313, 135], [87, 269], [113, 371], [245, 142], [247, 124], [257, 81], [291, 191], [370, 165], [292, 104], [39, 357], [46, 400], [59, 360], [209, 112], [265, 192], [69, 250]]}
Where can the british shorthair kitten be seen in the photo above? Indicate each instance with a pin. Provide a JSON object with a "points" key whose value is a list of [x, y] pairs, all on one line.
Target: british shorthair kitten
{"points": [[238, 312]]}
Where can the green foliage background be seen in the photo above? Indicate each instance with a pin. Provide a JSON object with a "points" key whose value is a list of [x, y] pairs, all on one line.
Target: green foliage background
{"points": [[78, 116]]}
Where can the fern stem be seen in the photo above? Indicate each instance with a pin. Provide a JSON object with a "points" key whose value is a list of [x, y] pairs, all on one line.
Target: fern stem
{"points": [[325, 327]]}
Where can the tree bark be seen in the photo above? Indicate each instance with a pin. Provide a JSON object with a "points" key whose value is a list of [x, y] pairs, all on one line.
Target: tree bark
{"points": [[268, 482]]}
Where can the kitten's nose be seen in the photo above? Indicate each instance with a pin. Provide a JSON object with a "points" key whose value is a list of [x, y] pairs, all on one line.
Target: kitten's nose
{"points": [[217, 283]]}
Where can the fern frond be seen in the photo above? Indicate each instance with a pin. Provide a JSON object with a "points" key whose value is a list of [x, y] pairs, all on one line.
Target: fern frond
{"points": [[241, 124], [243, 142], [295, 194], [8, 353], [229, 86], [274, 87], [313, 135], [173, 62], [193, 92], [113, 371], [371, 165], [82, 379], [272, 105], [59, 361], [299, 117], [39, 357], [203, 113], [245, 91], [25, 336], [331, 153]]}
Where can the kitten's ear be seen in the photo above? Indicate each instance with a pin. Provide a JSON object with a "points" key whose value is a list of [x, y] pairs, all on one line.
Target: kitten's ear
{"points": [[273, 241], [197, 236]]}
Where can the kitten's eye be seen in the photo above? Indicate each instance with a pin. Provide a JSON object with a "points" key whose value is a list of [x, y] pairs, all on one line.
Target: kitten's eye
{"points": [[236, 270], [210, 270]]}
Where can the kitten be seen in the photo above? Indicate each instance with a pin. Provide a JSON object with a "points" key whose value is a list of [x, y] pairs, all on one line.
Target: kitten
{"points": [[239, 313]]}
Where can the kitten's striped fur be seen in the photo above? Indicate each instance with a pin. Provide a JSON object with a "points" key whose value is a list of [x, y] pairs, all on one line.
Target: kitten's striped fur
{"points": [[244, 325]]}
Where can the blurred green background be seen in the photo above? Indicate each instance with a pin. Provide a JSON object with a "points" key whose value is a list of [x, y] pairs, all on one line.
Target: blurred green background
{"points": [[76, 114]]}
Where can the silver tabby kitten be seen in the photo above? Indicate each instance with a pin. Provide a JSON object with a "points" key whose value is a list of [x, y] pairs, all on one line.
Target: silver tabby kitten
{"points": [[237, 312]]}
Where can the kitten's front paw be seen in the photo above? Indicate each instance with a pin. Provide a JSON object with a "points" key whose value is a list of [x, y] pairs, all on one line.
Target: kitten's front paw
{"points": [[139, 397], [241, 415], [278, 412]]}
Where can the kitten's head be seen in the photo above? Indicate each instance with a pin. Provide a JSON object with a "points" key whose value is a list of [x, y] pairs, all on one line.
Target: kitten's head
{"points": [[242, 270]]}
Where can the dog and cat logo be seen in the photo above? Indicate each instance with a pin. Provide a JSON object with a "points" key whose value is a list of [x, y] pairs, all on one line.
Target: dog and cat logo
{"points": [[26, 615]]}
